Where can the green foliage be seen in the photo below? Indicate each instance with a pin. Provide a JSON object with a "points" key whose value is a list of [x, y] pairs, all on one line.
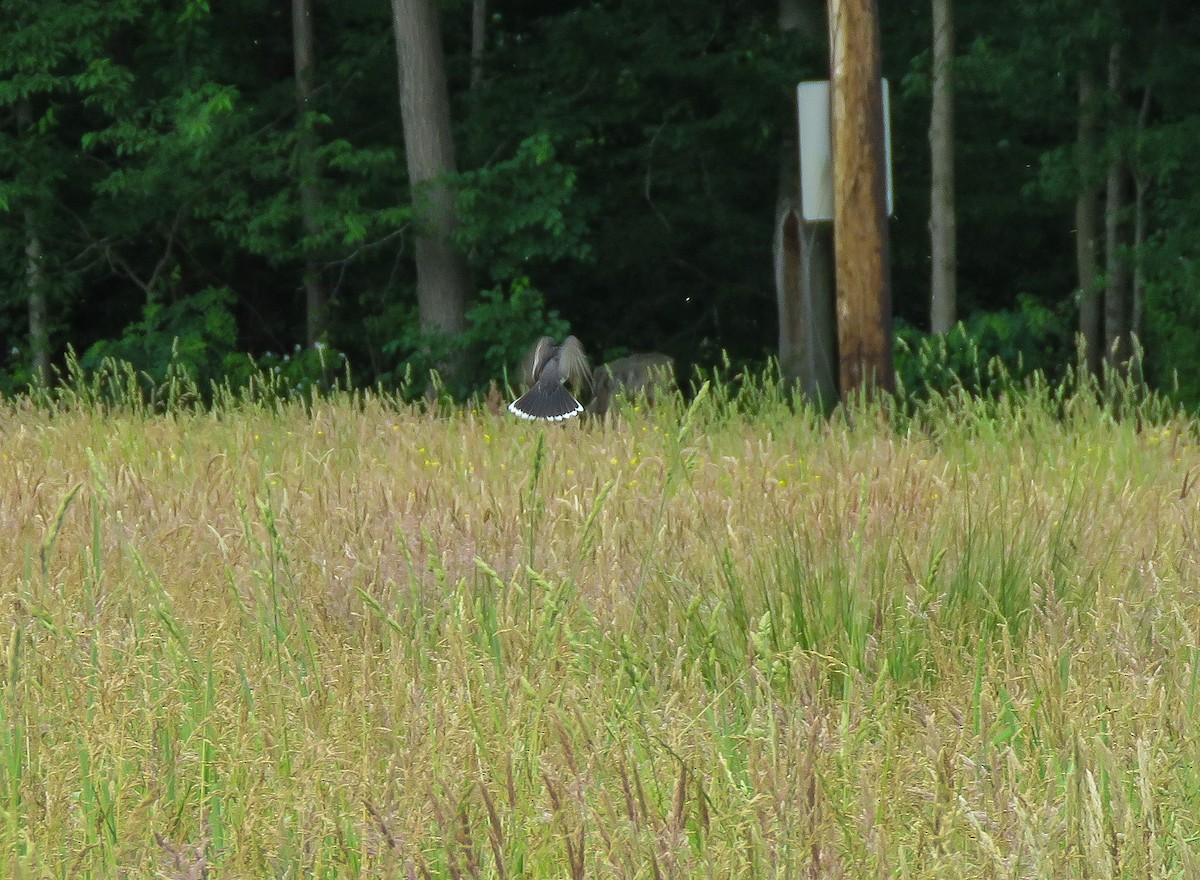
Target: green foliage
{"points": [[521, 212], [504, 323], [504, 327], [681, 250], [517, 218], [197, 334], [1170, 259], [298, 374], [1173, 323], [53, 73], [985, 353]]}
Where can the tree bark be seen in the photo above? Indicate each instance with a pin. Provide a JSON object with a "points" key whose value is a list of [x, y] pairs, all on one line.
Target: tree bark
{"points": [[36, 298], [819, 310], [786, 252], [316, 294], [860, 230], [442, 277], [1087, 212], [478, 40], [803, 268], [943, 225], [804, 298], [39, 310], [1116, 293], [1141, 184]]}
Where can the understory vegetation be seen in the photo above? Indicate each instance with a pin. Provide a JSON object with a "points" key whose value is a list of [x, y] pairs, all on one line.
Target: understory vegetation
{"points": [[350, 636]]}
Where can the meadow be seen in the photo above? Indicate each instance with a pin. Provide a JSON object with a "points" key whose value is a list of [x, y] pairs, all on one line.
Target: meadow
{"points": [[351, 637]]}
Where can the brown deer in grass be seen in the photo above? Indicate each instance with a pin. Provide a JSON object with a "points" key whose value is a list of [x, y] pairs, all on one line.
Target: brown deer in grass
{"points": [[649, 375]]}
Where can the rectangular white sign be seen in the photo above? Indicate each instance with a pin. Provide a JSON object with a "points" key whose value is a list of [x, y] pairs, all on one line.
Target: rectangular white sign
{"points": [[816, 150]]}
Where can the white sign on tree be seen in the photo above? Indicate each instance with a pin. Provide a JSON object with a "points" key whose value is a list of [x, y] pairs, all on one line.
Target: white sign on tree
{"points": [[816, 150]]}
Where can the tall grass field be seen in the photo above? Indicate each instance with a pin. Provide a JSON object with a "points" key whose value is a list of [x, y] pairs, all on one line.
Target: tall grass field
{"points": [[350, 637]]}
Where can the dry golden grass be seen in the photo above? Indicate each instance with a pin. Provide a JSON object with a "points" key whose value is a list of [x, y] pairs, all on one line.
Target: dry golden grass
{"points": [[353, 639]]}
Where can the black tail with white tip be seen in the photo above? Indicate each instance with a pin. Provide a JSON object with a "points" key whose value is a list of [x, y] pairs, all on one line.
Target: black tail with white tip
{"points": [[547, 401], [552, 368]]}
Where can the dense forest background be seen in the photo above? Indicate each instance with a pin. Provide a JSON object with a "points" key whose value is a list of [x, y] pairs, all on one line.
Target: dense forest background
{"points": [[187, 182]]}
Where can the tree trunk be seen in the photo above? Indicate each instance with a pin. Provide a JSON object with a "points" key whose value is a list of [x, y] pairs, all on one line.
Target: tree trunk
{"points": [[478, 40], [804, 294], [820, 314], [442, 277], [35, 278], [1141, 183], [39, 312], [860, 228], [786, 251], [803, 268], [943, 225], [1087, 212], [1116, 293], [316, 295]]}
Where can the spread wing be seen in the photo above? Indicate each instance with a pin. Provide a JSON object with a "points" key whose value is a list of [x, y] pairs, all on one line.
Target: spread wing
{"points": [[536, 359], [573, 363]]}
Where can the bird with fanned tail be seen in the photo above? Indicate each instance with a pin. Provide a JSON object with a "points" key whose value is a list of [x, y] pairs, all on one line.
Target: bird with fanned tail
{"points": [[553, 368]]}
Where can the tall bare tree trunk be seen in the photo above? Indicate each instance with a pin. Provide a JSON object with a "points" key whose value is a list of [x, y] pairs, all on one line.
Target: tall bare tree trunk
{"points": [[804, 295], [860, 226], [788, 275], [1141, 184], [35, 277], [785, 247], [478, 40], [39, 312], [316, 295], [1116, 293], [943, 224], [1087, 212], [442, 276], [803, 267]]}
